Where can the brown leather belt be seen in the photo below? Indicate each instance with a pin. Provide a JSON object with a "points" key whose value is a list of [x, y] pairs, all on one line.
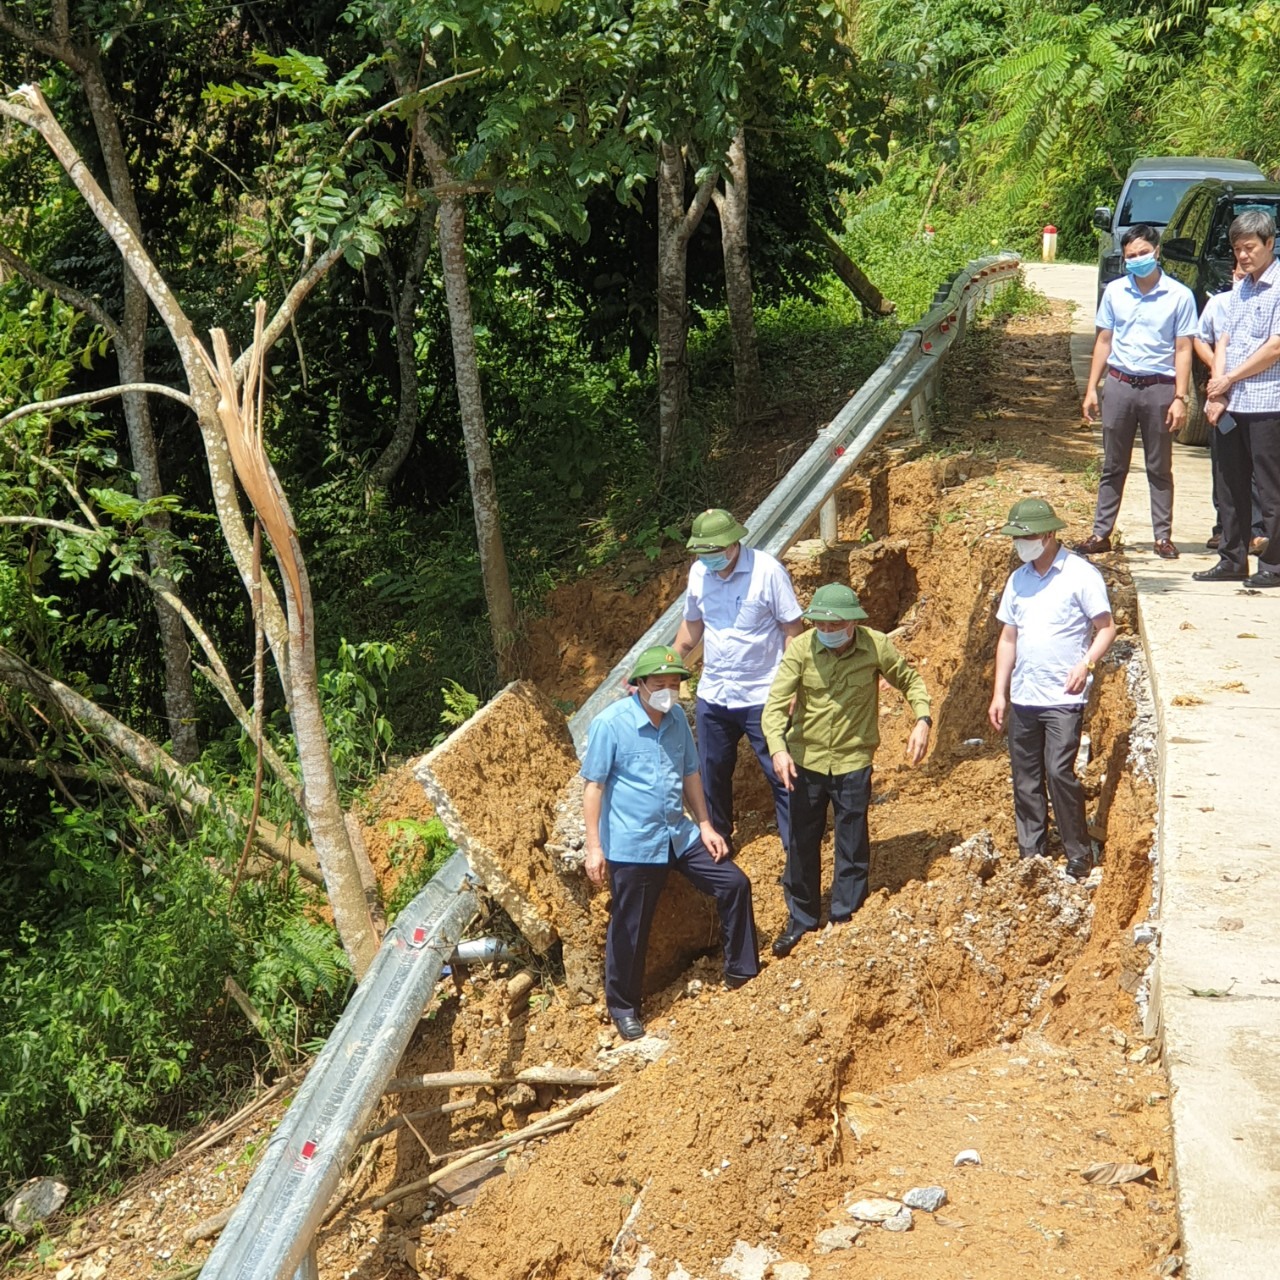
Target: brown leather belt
{"points": [[1146, 380]]}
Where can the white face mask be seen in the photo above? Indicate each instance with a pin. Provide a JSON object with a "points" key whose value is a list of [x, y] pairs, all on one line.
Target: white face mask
{"points": [[1028, 549], [661, 700]]}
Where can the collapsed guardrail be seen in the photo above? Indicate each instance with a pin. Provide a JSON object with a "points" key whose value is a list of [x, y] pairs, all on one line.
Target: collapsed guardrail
{"points": [[270, 1235]]}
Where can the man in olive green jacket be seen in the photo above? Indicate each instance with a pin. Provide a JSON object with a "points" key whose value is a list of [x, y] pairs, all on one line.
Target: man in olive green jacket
{"points": [[823, 755]]}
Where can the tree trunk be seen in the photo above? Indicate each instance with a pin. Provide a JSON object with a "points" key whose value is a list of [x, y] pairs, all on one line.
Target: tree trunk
{"points": [[675, 225], [874, 303], [179, 688], [484, 491], [384, 470], [731, 204], [290, 638]]}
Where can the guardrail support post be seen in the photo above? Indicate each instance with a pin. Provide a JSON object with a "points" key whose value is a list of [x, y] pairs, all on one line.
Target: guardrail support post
{"points": [[308, 1268], [920, 415], [828, 522]]}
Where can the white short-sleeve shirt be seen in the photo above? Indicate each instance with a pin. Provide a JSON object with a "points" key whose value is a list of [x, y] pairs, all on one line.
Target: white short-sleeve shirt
{"points": [[1054, 617], [743, 615]]}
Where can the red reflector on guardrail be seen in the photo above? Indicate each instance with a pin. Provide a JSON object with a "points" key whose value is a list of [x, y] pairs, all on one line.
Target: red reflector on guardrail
{"points": [[308, 1149], [419, 937]]}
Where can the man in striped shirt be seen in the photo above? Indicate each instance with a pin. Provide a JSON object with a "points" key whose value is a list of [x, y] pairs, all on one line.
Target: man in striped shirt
{"points": [[1245, 389]]}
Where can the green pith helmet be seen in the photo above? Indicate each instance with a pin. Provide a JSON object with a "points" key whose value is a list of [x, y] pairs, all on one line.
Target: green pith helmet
{"points": [[659, 660], [713, 529], [1031, 516], [835, 603]]}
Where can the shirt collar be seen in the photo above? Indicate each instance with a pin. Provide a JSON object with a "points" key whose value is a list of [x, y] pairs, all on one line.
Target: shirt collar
{"points": [[1269, 275], [1058, 562], [741, 565], [1160, 285]]}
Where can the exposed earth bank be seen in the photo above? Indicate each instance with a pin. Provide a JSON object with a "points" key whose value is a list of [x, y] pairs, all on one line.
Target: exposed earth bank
{"points": [[977, 1002]]}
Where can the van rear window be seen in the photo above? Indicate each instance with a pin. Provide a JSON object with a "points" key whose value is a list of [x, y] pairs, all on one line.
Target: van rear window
{"points": [[1152, 200]]}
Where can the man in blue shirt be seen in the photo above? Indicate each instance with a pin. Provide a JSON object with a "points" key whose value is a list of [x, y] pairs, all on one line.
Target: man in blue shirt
{"points": [[1145, 323], [641, 771], [1245, 393], [1057, 625]]}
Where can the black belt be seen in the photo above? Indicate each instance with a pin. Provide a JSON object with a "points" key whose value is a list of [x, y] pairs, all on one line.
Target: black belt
{"points": [[1146, 380]]}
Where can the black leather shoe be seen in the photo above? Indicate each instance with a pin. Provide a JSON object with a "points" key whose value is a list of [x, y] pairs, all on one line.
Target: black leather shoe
{"points": [[732, 981], [785, 943], [1078, 870], [1221, 572], [1263, 578], [841, 919], [629, 1026]]}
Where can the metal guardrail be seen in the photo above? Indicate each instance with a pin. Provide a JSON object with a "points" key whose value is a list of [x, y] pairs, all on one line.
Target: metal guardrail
{"points": [[270, 1235], [903, 378]]}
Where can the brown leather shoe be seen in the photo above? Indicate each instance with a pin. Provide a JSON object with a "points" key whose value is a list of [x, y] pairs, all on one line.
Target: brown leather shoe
{"points": [[1257, 546], [1165, 549], [1092, 546], [1213, 542]]}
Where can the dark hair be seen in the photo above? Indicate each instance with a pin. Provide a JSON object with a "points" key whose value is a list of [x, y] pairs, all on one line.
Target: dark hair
{"points": [[1141, 231], [1253, 222]]}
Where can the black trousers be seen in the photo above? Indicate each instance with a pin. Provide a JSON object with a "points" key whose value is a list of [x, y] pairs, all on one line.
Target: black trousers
{"points": [[1043, 743], [635, 888], [1247, 456], [719, 731], [848, 795]]}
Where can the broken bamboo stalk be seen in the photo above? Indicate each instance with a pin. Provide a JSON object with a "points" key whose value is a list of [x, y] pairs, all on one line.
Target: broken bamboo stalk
{"points": [[569, 1076], [553, 1123], [399, 1122], [208, 1226], [228, 1126]]}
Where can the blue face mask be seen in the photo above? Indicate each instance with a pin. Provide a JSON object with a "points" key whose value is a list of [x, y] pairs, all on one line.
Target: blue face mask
{"points": [[716, 562], [1141, 267], [834, 639]]}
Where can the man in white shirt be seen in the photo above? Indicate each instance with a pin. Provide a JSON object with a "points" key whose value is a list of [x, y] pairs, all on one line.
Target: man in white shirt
{"points": [[1057, 626], [740, 604]]}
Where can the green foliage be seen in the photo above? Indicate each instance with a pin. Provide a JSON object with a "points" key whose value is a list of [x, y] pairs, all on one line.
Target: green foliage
{"points": [[360, 735], [420, 849], [459, 705]]}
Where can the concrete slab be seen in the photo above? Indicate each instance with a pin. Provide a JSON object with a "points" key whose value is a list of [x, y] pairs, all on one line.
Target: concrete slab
{"points": [[1214, 660]]}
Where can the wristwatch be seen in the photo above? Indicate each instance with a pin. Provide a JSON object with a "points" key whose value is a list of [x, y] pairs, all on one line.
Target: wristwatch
{"points": [[1185, 397], [1091, 665], [925, 720]]}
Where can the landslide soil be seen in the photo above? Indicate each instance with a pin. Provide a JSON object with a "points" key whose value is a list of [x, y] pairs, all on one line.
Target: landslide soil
{"points": [[975, 1002]]}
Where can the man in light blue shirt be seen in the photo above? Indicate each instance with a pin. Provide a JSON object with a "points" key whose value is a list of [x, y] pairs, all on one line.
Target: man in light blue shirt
{"points": [[1057, 625], [641, 771], [740, 604], [1145, 323]]}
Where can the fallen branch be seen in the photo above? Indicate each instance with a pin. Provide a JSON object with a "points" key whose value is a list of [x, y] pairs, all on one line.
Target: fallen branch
{"points": [[346, 1192], [569, 1076], [554, 1123], [400, 1121], [228, 1126], [208, 1226], [279, 1055]]}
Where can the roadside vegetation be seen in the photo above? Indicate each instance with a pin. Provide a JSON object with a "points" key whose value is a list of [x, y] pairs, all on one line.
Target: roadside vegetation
{"points": [[530, 272]]}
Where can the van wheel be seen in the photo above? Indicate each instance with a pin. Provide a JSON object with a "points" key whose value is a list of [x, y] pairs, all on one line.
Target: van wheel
{"points": [[1196, 428]]}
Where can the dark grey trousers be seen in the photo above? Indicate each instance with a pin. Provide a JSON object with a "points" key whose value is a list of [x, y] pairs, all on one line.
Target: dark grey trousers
{"points": [[1126, 410], [1043, 742], [1249, 454], [847, 795]]}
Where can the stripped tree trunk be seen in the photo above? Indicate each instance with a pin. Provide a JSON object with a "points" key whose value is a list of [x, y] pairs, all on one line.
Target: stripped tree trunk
{"points": [[676, 224], [731, 204], [484, 490]]}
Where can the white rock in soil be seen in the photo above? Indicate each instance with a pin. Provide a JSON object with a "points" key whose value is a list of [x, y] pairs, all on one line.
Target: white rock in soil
{"points": [[877, 1209], [834, 1238], [967, 1156], [902, 1221], [748, 1261], [930, 1199], [789, 1271]]}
